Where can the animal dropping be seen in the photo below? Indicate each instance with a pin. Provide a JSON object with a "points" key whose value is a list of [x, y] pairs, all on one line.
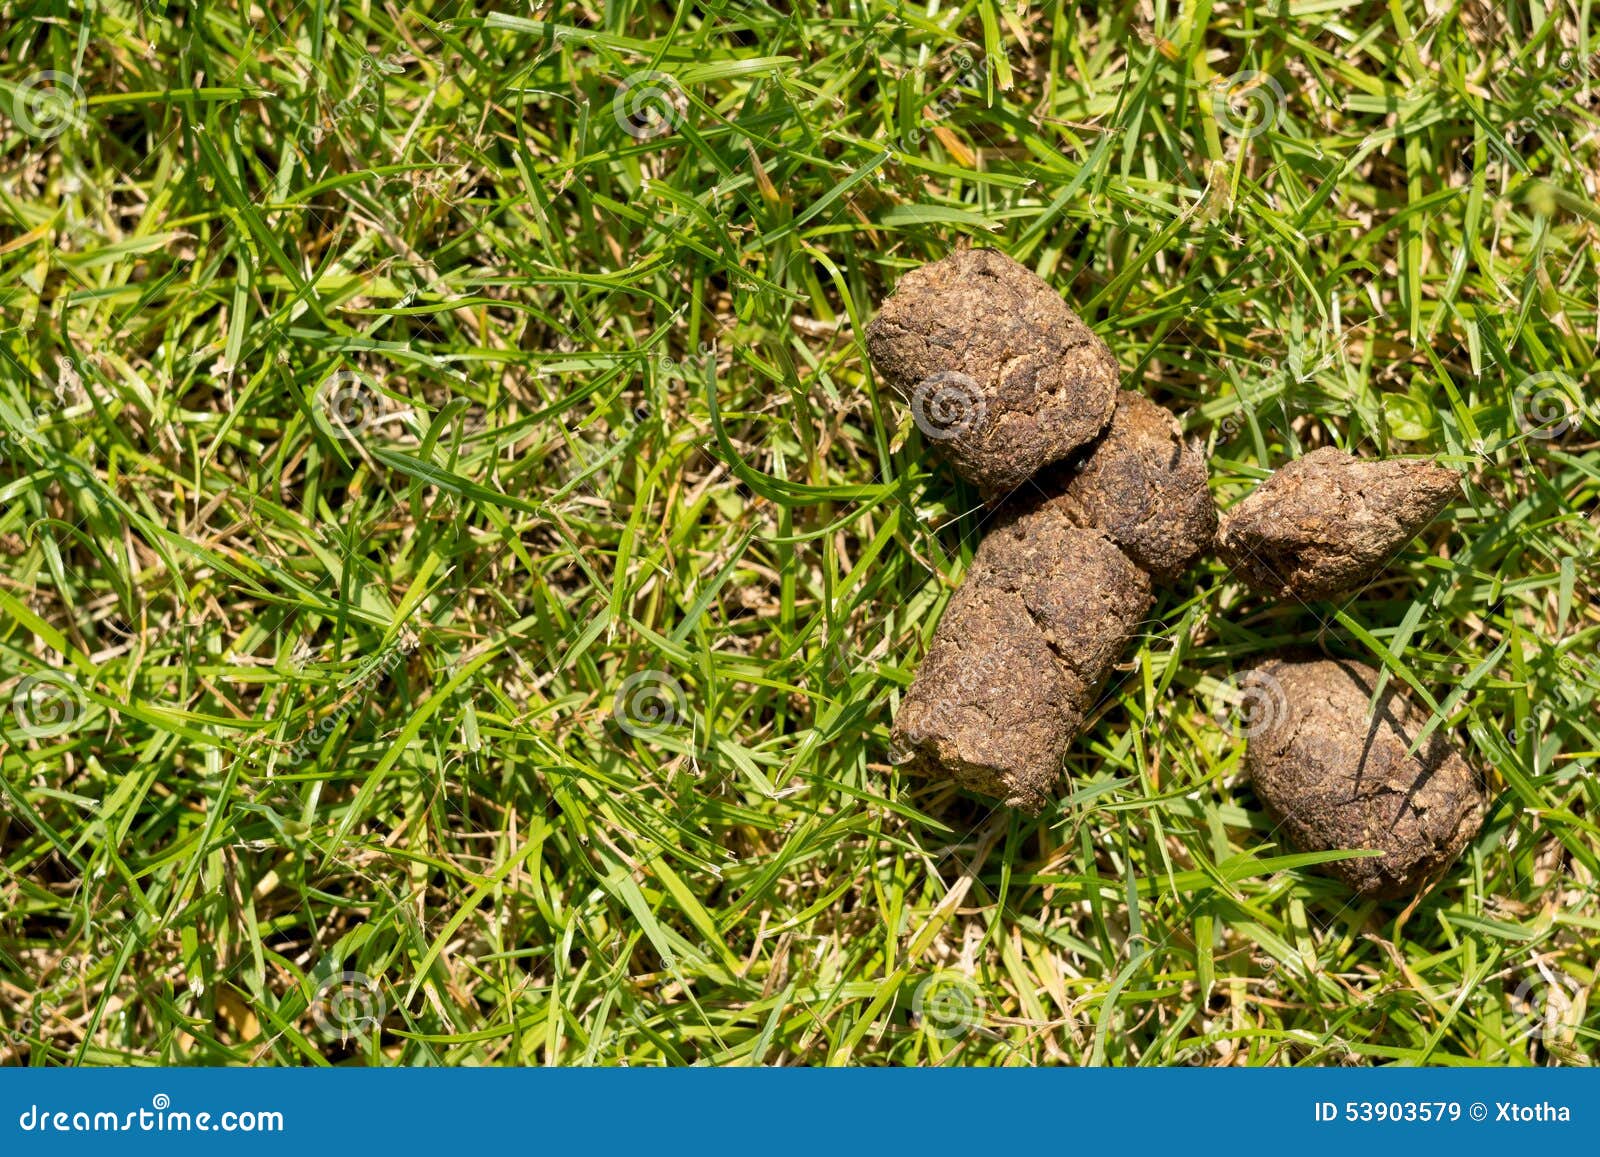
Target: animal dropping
{"points": [[1010, 382], [1336, 773], [998, 371], [1325, 524], [1044, 613], [1145, 487]]}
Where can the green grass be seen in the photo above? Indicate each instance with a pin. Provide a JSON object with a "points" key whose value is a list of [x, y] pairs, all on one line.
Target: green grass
{"points": [[376, 407]]}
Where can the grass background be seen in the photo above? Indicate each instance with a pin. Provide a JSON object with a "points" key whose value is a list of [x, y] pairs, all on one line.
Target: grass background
{"points": [[387, 389]]}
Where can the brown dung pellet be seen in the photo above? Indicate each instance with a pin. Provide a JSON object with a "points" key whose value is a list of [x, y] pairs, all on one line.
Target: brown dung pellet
{"points": [[1000, 374], [1336, 773], [1325, 524]]}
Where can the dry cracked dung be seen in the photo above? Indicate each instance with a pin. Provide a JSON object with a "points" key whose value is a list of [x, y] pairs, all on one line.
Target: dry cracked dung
{"points": [[1144, 487], [1045, 610], [1334, 773], [998, 371], [1326, 523]]}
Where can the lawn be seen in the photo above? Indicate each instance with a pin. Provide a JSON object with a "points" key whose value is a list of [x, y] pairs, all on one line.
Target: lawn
{"points": [[458, 566]]}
